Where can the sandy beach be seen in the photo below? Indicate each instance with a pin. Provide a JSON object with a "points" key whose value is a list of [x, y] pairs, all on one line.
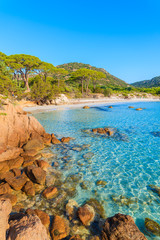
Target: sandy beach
{"points": [[78, 103]]}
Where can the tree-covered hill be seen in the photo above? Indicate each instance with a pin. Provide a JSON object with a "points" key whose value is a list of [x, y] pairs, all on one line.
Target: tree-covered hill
{"points": [[110, 79], [154, 82]]}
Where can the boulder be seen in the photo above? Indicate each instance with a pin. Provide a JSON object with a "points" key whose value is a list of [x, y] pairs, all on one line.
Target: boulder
{"points": [[16, 172], [50, 192], [5, 209], [86, 107], [17, 129], [16, 182], [11, 197], [62, 99], [47, 138], [71, 209], [34, 144], [29, 189], [60, 228], [36, 174], [86, 214], [139, 109], [10, 153], [44, 217], [65, 139], [110, 107], [55, 141], [121, 227], [15, 163], [4, 167], [5, 188], [42, 164], [27, 227], [152, 226]]}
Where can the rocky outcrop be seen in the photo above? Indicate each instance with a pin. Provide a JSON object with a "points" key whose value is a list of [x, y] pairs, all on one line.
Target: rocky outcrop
{"points": [[5, 209], [27, 227], [17, 129], [121, 227]]}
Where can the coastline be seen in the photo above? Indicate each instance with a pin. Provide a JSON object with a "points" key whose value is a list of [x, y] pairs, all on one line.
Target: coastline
{"points": [[78, 103]]}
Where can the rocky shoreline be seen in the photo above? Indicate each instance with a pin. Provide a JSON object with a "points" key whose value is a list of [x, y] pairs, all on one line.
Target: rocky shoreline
{"points": [[34, 202]]}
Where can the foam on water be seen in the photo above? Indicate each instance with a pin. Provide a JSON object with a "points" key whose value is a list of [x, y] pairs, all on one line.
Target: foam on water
{"points": [[128, 165]]}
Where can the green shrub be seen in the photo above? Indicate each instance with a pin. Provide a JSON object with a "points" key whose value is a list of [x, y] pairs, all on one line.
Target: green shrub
{"points": [[107, 92]]}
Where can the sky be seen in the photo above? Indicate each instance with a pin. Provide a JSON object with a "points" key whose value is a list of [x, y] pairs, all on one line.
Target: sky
{"points": [[122, 36]]}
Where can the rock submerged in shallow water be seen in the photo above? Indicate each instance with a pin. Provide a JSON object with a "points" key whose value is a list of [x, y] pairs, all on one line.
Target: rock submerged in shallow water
{"points": [[139, 109], [71, 209], [98, 207], [50, 192], [130, 107], [110, 107], [155, 189], [156, 134], [152, 226], [29, 189], [122, 227], [88, 155], [60, 228], [101, 183], [65, 139], [86, 214], [86, 107]]}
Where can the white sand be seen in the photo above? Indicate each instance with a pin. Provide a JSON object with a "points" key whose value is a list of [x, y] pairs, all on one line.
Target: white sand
{"points": [[79, 103]]}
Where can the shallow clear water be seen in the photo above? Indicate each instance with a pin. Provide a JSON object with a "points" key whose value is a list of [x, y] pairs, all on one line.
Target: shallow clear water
{"points": [[128, 165]]}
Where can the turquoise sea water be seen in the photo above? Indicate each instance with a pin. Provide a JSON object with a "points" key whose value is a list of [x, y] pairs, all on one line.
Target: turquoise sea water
{"points": [[129, 163]]}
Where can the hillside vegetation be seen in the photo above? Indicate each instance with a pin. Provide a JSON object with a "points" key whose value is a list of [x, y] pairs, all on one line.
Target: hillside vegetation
{"points": [[109, 81], [26, 76], [154, 82]]}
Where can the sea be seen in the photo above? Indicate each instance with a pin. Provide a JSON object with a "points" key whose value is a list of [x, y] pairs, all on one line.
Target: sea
{"points": [[127, 163]]}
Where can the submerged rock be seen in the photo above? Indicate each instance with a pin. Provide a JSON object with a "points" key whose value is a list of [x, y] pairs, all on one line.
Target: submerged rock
{"points": [[86, 107], [101, 183], [156, 134], [86, 214], [60, 228], [88, 155], [50, 192], [130, 107], [155, 189], [98, 207], [71, 209], [121, 227], [139, 109], [65, 139], [152, 226]]}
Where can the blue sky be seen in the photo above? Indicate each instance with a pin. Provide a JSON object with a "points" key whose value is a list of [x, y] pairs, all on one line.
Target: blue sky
{"points": [[122, 36]]}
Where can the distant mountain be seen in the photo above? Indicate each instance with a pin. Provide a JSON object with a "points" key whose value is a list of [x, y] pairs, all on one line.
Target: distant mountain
{"points": [[154, 82], [111, 80]]}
